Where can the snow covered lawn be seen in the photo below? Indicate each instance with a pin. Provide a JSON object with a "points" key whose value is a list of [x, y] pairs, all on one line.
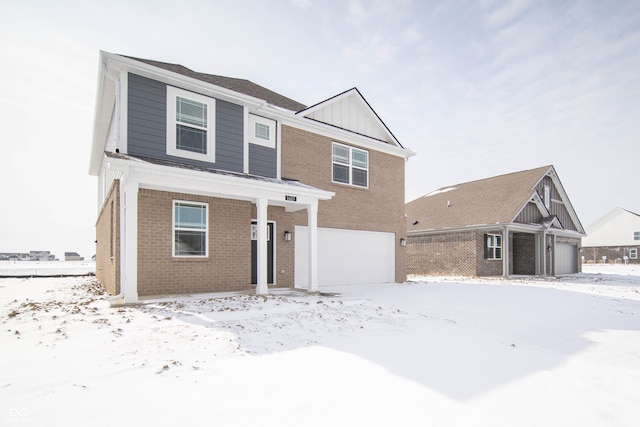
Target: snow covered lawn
{"points": [[434, 351]]}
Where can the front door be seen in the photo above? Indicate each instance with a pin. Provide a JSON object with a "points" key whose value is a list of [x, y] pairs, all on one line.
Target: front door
{"points": [[254, 253]]}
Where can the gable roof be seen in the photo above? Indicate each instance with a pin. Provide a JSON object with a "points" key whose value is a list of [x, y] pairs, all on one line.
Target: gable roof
{"points": [[350, 111], [616, 228], [489, 201], [238, 85]]}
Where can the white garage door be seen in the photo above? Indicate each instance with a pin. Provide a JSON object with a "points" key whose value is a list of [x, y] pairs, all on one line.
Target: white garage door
{"points": [[346, 257], [566, 259]]}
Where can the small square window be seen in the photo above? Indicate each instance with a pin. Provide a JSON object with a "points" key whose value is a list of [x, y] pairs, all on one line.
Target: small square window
{"points": [[636, 235], [262, 131], [633, 253]]}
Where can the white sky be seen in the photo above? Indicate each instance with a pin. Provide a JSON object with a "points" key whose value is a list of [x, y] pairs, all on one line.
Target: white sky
{"points": [[476, 88]]}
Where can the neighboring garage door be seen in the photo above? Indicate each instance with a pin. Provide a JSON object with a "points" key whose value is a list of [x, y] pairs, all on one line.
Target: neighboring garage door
{"points": [[566, 259], [346, 257]]}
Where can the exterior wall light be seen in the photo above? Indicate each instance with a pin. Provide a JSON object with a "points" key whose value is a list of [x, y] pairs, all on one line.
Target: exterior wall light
{"points": [[287, 236], [403, 242]]}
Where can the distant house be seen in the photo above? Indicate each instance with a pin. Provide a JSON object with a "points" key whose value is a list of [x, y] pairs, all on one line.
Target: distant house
{"points": [[14, 256], [520, 223], [613, 238], [72, 256], [39, 255]]}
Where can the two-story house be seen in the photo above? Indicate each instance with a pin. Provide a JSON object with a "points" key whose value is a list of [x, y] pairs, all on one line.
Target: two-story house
{"points": [[210, 183]]}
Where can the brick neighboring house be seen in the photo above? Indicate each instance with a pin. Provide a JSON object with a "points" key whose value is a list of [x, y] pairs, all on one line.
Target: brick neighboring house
{"points": [[210, 183], [466, 229], [613, 238]]}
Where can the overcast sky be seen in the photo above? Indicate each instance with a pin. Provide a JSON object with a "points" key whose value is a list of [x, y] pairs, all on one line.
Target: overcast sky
{"points": [[476, 88]]}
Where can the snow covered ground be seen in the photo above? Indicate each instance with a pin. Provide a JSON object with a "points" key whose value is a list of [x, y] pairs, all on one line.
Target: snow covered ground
{"points": [[46, 268], [433, 351]]}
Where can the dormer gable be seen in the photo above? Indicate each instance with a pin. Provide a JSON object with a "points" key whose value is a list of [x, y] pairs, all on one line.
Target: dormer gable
{"points": [[351, 112]]}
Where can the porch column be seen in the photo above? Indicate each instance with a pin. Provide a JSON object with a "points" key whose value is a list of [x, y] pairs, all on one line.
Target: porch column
{"points": [[129, 240], [261, 208], [505, 252], [312, 220]]}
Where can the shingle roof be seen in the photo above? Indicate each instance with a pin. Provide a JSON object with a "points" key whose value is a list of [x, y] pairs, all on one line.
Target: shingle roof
{"points": [[487, 201], [238, 85]]}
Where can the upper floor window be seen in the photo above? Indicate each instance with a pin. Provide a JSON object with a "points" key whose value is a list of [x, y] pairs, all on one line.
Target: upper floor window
{"points": [[190, 229], [492, 246], [262, 131], [547, 197], [190, 125], [350, 165], [636, 235]]}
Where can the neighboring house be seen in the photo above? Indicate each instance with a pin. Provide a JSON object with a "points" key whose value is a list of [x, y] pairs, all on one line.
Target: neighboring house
{"points": [[521, 223], [613, 238], [73, 256], [14, 256], [210, 183], [40, 256]]}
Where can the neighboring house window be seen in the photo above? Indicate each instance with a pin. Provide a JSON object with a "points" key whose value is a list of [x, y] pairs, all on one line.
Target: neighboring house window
{"points": [[350, 165], [492, 246], [636, 235], [190, 229], [190, 125], [262, 131], [633, 253], [547, 197]]}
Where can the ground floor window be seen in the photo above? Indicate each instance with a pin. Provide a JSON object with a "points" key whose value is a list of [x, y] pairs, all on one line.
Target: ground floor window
{"points": [[190, 229], [633, 253], [492, 246]]}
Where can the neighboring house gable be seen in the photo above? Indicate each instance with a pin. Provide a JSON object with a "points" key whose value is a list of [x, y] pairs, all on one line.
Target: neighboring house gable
{"points": [[615, 237], [527, 207]]}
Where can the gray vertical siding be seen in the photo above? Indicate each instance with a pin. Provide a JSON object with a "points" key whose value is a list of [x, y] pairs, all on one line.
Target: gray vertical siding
{"points": [[147, 126], [263, 161]]}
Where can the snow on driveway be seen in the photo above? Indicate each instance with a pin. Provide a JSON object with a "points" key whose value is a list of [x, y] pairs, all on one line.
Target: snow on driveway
{"points": [[433, 351]]}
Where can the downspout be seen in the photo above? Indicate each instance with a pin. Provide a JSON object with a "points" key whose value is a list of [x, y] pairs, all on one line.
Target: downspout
{"points": [[116, 82], [121, 213]]}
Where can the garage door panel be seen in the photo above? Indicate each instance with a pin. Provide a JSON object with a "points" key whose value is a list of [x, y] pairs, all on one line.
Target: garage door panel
{"points": [[566, 259], [346, 257]]}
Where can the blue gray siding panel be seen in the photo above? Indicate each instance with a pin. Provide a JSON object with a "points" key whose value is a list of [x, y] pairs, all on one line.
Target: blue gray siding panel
{"points": [[147, 126], [262, 161]]}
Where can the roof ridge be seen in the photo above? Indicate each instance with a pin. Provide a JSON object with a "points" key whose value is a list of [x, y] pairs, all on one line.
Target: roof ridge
{"points": [[236, 84]]}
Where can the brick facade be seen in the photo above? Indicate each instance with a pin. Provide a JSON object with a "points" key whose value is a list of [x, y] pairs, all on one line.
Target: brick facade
{"points": [[462, 254], [452, 254], [108, 241], [308, 157], [524, 253]]}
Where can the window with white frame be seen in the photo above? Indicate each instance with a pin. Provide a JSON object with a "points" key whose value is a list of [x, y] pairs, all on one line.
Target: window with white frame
{"points": [[190, 125], [190, 229], [547, 197], [493, 246], [262, 131], [633, 253], [350, 165]]}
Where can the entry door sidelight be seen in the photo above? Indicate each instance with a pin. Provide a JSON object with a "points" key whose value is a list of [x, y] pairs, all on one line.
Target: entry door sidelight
{"points": [[254, 253]]}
